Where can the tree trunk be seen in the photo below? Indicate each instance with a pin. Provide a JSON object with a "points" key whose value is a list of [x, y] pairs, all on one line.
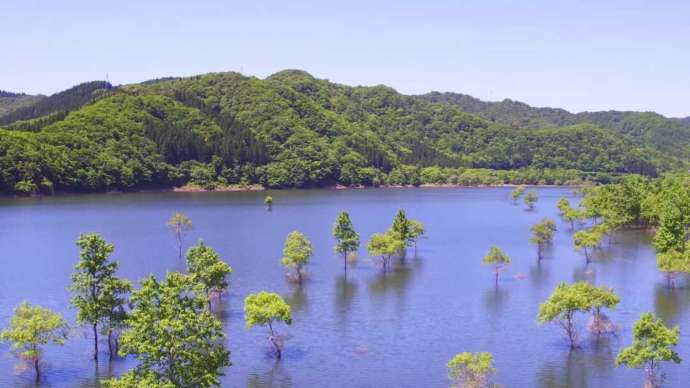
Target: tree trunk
{"points": [[110, 343], [38, 372], [299, 273], [539, 249], [345, 262], [95, 341]]}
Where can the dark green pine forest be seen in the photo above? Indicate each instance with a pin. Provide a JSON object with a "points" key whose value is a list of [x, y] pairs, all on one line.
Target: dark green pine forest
{"points": [[293, 130]]}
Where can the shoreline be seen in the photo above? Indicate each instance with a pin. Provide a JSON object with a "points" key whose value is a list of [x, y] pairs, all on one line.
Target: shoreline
{"points": [[260, 188]]}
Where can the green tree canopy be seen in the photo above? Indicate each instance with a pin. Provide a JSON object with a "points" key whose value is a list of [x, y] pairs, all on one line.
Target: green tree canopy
{"points": [[384, 245], [172, 334], [207, 269], [517, 192], [653, 343], [99, 295], [297, 252], [542, 234], [496, 258], [31, 328], [347, 239], [565, 301], [531, 199], [266, 309], [471, 370]]}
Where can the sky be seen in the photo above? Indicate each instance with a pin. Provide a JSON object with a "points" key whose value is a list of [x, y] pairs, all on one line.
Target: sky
{"points": [[578, 55]]}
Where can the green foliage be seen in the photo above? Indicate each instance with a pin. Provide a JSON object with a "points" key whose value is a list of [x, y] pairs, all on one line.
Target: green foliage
{"points": [[291, 130], [266, 309], [207, 269], [401, 228], [496, 258], [568, 299], [31, 328], [471, 370], [64, 101], [653, 343], [517, 192], [531, 199], [417, 230], [268, 201], [176, 340], [296, 253], [542, 234], [347, 239], [99, 295], [587, 240], [384, 245]]}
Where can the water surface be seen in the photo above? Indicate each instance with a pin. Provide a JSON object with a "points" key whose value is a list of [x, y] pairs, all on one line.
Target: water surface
{"points": [[367, 329]]}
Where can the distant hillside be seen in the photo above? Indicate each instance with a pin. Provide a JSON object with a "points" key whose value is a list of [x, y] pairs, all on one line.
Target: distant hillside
{"points": [[293, 130], [10, 101], [61, 102], [665, 134]]}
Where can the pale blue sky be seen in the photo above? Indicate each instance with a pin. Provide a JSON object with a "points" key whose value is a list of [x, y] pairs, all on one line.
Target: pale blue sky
{"points": [[579, 55]]}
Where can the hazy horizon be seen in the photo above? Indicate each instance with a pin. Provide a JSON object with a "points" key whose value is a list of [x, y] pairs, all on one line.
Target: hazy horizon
{"points": [[579, 56]]}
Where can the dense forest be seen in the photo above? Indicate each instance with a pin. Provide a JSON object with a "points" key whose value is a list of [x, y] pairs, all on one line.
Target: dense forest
{"points": [[293, 130], [665, 134]]}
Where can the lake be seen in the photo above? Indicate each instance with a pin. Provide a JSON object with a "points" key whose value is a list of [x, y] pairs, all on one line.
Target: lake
{"points": [[368, 329]]}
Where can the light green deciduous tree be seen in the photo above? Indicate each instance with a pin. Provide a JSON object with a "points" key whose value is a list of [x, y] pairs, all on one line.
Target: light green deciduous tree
{"points": [[347, 239], [267, 309], [297, 252], [471, 370], [496, 258]]}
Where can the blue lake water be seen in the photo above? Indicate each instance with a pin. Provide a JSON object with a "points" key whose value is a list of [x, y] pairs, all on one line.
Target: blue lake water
{"points": [[369, 329]]}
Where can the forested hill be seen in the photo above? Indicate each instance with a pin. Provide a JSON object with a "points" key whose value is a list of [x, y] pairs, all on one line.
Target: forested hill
{"points": [[10, 101], [666, 134], [56, 105], [293, 130]]}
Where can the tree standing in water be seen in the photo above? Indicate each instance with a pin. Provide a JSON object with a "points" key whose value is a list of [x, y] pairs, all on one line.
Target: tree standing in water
{"points": [[266, 309], [586, 241], [31, 328], [516, 193], [347, 239], [472, 370], [179, 223], [542, 234], [384, 245], [531, 199], [98, 293], [268, 201], [208, 270], [498, 259], [561, 307], [653, 344], [297, 253], [416, 231]]}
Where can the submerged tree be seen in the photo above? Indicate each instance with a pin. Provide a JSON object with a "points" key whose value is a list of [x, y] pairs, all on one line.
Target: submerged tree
{"points": [[561, 307], [416, 231], [266, 309], [586, 241], [563, 205], [673, 263], [542, 234], [653, 344], [33, 327], [179, 224], [347, 239], [173, 335], [531, 199], [296, 253], [208, 270], [497, 258], [471, 370], [401, 229], [385, 246], [516, 193], [601, 298], [268, 201], [99, 295]]}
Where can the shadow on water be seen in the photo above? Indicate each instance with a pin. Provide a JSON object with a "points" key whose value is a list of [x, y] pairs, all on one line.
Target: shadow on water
{"points": [[495, 299], [539, 271], [670, 303], [345, 290], [596, 357], [298, 299], [276, 376], [585, 273]]}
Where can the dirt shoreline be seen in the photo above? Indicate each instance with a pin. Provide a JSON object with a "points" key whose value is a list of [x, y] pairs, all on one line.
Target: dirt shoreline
{"points": [[259, 188]]}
